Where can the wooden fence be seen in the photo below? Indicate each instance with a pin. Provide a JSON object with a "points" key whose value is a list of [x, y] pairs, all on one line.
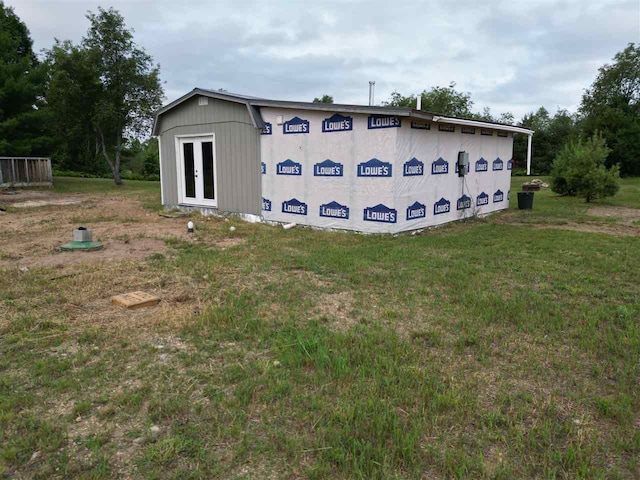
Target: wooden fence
{"points": [[25, 172]]}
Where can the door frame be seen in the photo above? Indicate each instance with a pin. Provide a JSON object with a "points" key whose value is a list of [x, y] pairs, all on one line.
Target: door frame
{"points": [[199, 202]]}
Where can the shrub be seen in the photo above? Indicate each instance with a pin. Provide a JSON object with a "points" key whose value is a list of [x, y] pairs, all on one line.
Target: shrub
{"points": [[125, 175], [579, 170]]}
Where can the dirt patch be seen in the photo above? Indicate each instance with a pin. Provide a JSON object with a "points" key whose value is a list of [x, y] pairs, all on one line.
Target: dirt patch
{"points": [[33, 236], [80, 284], [620, 230], [627, 215], [103, 314], [113, 250], [623, 229], [335, 308], [309, 277], [623, 222], [22, 195], [46, 203], [230, 242]]}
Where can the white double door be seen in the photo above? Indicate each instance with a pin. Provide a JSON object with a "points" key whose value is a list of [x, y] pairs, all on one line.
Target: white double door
{"points": [[197, 170]]}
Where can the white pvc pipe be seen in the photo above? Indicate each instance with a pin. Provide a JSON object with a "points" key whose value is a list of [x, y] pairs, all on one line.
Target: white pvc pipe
{"points": [[529, 137], [289, 226]]}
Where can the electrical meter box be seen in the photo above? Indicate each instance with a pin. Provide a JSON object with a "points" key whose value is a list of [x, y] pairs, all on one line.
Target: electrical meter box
{"points": [[463, 163]]}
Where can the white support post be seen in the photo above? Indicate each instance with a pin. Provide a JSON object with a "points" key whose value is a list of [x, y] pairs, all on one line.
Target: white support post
{"points": [[529, 137], [160, 163]]}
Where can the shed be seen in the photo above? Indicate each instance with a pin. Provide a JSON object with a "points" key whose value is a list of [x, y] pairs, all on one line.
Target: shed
{"points": [[364, 168]]}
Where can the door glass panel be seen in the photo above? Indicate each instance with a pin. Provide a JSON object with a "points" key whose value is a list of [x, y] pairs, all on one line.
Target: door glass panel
{"points": [[189, 171], [207, 170]]}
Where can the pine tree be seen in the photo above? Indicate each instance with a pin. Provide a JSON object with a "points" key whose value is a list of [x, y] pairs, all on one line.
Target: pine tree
{"points": [[22, 84]]}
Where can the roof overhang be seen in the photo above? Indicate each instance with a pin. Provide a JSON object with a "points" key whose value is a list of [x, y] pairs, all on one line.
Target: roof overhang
{"points": [[253, 106], [481, 124], [256, 118]]}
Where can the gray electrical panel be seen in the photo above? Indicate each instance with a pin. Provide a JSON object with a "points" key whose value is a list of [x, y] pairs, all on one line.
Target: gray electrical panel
{"points": [[463, 163]]}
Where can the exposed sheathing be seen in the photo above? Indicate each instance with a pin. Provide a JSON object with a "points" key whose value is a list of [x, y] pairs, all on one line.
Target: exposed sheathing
{"points": [[393, 194]]}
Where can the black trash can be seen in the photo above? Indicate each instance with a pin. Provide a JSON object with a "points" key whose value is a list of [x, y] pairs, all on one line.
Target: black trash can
{"points": [[525, 200]]}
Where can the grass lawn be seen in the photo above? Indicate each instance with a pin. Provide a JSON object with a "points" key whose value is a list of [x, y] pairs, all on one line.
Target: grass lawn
{"points": [[504, 347]]}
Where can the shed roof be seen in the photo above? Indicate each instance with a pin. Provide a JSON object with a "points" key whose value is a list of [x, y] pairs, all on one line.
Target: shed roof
{"points": [[253, 104]]}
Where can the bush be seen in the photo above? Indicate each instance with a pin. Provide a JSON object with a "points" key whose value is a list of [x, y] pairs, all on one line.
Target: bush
{"points": [[579, 170], [125, 175], [72, 173]]}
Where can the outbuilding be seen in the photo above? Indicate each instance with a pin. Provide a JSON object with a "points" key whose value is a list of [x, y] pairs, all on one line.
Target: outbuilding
{"points": [[363, 168]]}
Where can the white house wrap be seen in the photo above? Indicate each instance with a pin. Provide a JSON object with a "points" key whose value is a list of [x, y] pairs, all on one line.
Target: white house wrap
{"points": [[368, 169]]}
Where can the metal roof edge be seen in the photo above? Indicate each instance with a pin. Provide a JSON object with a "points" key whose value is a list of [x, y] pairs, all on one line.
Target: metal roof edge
{"points": [[333, 107], [481, 123], [258, 122]]}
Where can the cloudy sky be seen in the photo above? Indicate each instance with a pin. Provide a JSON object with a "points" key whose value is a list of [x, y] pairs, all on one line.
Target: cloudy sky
{"points": [[510, 55]]}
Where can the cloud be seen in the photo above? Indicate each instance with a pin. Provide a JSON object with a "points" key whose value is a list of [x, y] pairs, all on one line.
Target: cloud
{"points": [[511, 56]]}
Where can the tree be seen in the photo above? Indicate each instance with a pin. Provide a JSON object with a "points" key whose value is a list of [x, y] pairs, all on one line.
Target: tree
{"points": [[22, 84], [551, 134], [447, 101], [579, 169], [151, 167], [324, 99], [116, 87], [131, 90], [612, 105], [507, 118], [442, 100], [140, 159], [71, 96]]}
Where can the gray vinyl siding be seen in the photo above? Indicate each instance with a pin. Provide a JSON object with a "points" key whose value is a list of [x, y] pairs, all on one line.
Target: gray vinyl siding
{"points": [[237, 144]]}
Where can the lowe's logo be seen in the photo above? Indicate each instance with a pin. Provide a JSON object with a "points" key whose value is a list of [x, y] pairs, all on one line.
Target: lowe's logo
{"points": [[328, 168], [374, 168], [498, 164], [337, 123], [378, 121], [498, 196], [294, 206], [441, 206], [334, 210], [417, 210], [267, 130], [463, 202], [266, 205], [509, 164], [482, 165], [288, 167], [413, 168], [295, 125], [263, 168], [483, 199], [439, 167], [380, 213]]}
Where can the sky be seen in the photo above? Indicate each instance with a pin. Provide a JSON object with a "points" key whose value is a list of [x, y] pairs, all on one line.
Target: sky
{"points": [[510, 55]]}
